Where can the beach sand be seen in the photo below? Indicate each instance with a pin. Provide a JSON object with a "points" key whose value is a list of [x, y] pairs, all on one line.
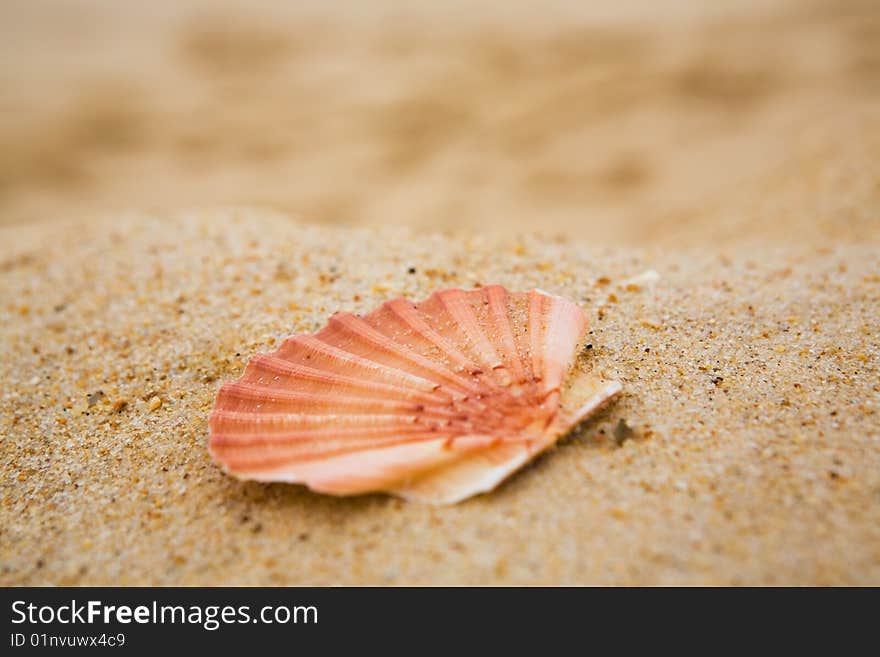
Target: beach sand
{"points": [[180, 190], [750, 388]]}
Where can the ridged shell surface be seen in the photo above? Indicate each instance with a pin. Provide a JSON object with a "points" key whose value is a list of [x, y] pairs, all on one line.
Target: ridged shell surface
{"points": [[434, 401]]}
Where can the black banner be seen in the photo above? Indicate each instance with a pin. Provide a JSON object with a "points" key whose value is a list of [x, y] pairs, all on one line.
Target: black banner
{"points": [[418, 619]]}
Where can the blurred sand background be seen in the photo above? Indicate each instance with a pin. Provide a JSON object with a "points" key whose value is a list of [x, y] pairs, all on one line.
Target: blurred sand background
{"points": [[184, 184], [626, 122]]}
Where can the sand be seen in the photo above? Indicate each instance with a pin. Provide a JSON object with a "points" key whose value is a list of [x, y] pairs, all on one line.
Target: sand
{"points": [[750, 384], [185, 185], [671, 121]]}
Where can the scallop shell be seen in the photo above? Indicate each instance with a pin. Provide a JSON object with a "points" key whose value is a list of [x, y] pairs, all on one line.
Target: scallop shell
{"points": [[433, 401]]}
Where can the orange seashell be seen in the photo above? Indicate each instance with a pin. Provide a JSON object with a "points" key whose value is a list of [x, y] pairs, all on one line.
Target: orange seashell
{"points": [[433, 401]]}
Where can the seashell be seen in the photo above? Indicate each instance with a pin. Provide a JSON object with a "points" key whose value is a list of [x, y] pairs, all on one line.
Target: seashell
{"points": [[433, 401]]}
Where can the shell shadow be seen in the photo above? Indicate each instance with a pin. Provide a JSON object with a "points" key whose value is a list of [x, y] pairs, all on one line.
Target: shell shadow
{"points": [[286, 495]]}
